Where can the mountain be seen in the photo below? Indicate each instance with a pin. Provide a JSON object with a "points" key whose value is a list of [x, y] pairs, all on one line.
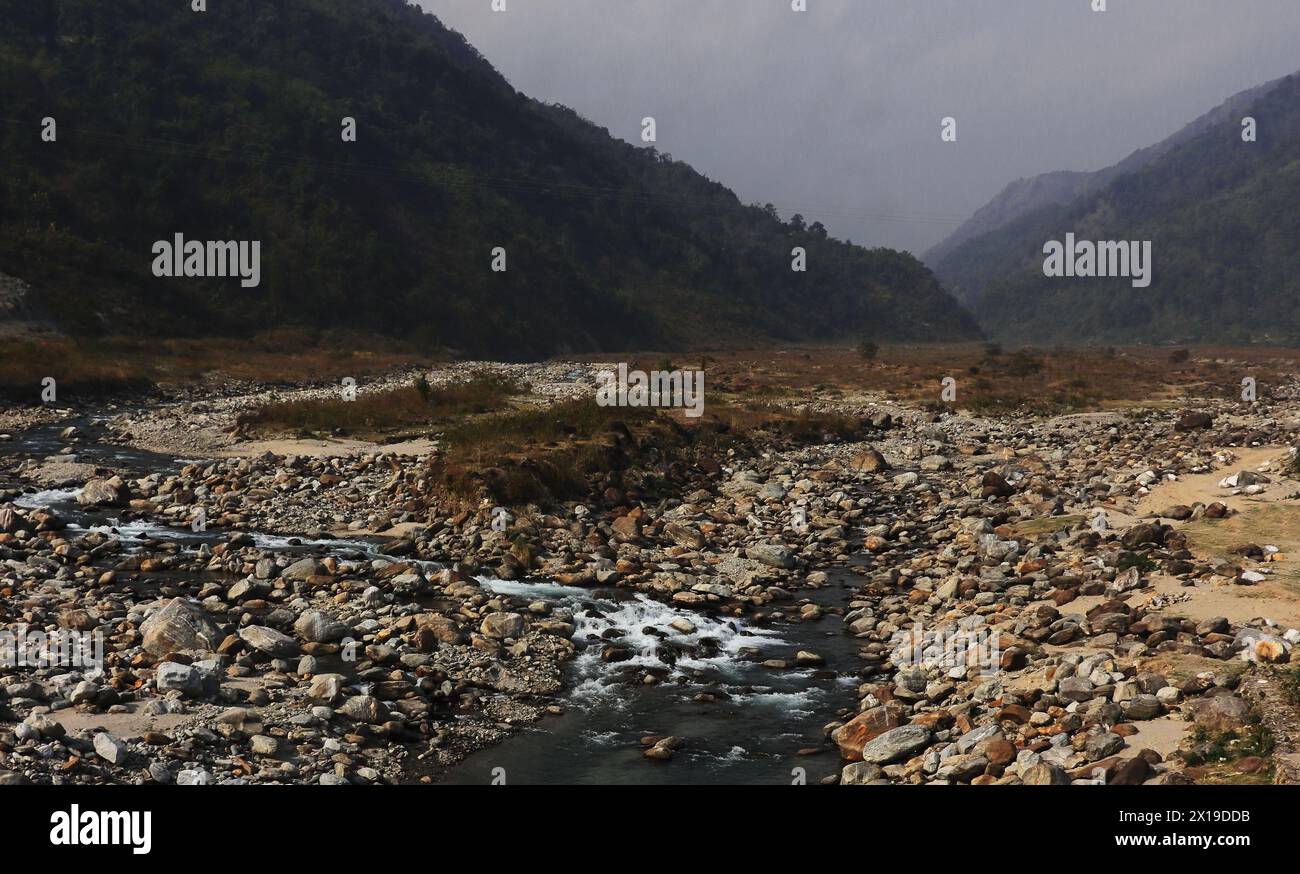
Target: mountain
{"points": [[226, 125], [1221, 217], [959, 259]]}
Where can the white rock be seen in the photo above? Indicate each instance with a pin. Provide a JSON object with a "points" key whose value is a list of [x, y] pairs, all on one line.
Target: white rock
{"points": [[110, 749]]}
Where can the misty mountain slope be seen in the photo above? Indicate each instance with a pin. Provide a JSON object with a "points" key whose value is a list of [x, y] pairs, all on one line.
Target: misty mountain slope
{"points": [[1020, 198], [966, 260], [1222, 219], [225, 125]]}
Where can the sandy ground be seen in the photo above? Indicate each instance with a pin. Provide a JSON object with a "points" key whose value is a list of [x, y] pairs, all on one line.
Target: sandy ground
{"points": [[396, 532], [131, 724], [1162, 735], [1264, 519], [316, 448], [1204, 487], [1239, 604]]}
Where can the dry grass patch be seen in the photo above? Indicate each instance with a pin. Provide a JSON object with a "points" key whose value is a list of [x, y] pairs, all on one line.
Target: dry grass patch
{"points": [[1046, 525], [1179, 668], [77, 368], [538, 453], [990, 379], [115, 365], [388, 412], [1265, 524]]}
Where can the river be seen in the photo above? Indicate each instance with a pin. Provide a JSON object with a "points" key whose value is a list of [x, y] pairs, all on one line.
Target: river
{"points": [[741, 721]]}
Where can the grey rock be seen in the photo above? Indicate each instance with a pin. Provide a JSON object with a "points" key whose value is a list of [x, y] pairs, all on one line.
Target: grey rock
{"points": [[897, 743], [263, 745], [174, 677], [1102, 744], [318, 626], [300, 569], [770, 554], [860, 774], [269, 641], [180, 625]]}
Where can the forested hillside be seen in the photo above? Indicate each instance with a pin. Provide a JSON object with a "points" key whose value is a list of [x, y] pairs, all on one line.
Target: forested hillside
{"points": [[225, 125], [985, 245], [1222, 219]]}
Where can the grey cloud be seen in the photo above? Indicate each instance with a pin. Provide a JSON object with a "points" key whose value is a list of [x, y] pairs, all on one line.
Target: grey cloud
{"points": [[835, 113]]}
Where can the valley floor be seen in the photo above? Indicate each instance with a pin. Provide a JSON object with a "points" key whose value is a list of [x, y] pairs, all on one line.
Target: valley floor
{"points": [[724, 603]]}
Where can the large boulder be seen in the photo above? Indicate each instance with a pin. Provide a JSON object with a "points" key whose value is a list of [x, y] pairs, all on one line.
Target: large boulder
{"points": [[1194, 422], [868, 725], [180, 625], [503, 625], [868, 460], [861, 774], [627, 528], [995, 485], [300, 569], [1221, 713], [318, 626], [432, 629], [684, 536], [104, 493], [1045, 774], [364, 708], [175, 677], [326, 688], [110, 749]]}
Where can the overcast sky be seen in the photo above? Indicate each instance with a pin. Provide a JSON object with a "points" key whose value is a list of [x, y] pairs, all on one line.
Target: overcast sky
{"points": [[835, 113]]}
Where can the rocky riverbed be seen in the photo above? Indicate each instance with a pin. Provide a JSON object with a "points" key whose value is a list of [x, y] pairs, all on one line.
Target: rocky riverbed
{"points": [[304, 611]]}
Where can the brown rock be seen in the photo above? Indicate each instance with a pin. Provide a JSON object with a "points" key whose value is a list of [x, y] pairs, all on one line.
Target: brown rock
{"points": [[866, 727], [1014, 713], [1194, 421], [627, 527], [999, 751], [868, 461], [1221, 713], [1061, 597], [1045, 774], [1133, 772]]}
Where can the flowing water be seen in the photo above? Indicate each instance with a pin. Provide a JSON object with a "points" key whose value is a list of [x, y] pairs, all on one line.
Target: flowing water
{"points": [[740, 721]]}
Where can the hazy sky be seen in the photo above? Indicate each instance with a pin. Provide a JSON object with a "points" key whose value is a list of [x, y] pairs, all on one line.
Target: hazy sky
{"points": [[835, 112]]}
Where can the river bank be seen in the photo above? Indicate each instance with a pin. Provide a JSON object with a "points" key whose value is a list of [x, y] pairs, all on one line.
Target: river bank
{"points": [[274, 617]]}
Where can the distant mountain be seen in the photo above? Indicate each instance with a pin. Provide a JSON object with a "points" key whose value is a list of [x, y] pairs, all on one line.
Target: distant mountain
{"points": [[225, 125], [962, 260], [1222, 218]]}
